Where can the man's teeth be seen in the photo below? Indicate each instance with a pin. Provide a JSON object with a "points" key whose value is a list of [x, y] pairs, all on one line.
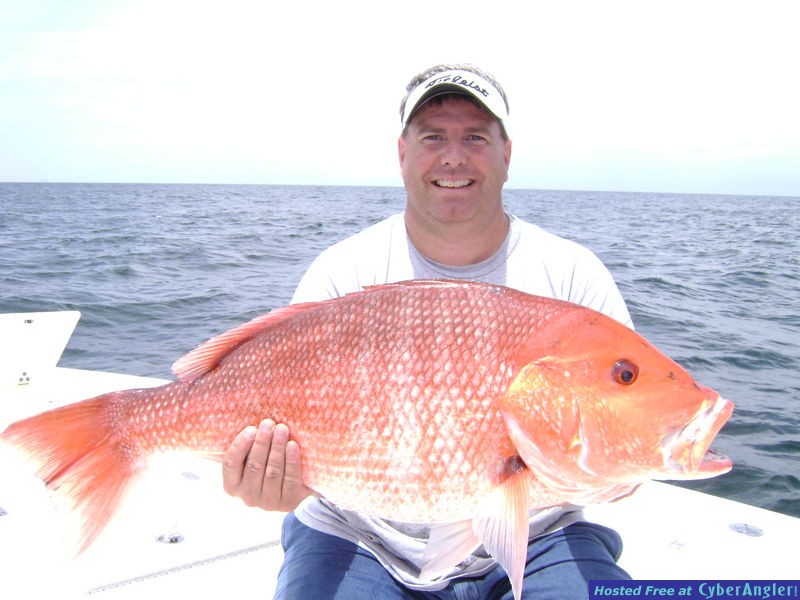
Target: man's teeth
{"points": [[453, 184]]}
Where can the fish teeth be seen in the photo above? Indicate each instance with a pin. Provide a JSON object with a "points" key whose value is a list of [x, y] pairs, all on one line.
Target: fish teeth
{"points": [[688, 437]]}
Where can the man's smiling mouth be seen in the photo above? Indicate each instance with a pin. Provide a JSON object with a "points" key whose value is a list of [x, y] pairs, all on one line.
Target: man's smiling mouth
{"points": [[457, 183]]}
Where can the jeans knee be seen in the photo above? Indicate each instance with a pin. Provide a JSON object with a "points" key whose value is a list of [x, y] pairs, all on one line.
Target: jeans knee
{"points": [[601, 534]]}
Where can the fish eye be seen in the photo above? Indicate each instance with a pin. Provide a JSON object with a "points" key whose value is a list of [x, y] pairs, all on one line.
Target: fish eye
{"points": [[625, 371]]}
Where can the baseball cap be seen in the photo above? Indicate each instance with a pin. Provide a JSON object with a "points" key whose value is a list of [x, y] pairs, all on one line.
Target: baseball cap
{"points": [[457, 82]]}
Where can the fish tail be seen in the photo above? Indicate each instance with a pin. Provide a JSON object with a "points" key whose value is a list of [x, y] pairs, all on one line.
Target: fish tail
{"points": [[76, 451]]}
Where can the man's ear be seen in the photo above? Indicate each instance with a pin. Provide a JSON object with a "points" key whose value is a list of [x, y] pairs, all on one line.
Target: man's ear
{"points": [[401, 150]]}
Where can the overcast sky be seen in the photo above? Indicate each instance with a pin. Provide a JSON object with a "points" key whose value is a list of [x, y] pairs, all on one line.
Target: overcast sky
{"points": [[634, 95]]}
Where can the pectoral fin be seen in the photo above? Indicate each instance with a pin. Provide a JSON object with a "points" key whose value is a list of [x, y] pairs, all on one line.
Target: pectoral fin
{"points": [[501, 525]]}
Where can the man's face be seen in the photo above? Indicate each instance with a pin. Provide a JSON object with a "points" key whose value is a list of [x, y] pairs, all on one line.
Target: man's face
{"points": [[454, 162]]}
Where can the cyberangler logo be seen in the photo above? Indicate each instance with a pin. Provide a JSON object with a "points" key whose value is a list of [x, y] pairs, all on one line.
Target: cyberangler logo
{"points": [[458, 80]]}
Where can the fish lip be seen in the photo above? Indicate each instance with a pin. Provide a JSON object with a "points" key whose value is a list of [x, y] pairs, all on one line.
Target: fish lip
{"points": [[687, 453]]}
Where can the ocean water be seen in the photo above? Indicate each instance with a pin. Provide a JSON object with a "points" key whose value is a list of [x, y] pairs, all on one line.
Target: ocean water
{"points": [[713, 281]]}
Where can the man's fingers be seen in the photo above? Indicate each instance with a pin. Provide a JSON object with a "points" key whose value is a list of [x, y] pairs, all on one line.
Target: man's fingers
{"points": [[294, 491], [292, 474], [245, 463], [234, 458], [260, 450], [263, 468], [273, 472]]}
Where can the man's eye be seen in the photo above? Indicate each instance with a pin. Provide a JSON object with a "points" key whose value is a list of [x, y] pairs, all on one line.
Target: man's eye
{"points": [[476, 139], [432, 137]]}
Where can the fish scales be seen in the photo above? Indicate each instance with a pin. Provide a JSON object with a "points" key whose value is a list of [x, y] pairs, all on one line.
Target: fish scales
{"points": [[391, 399]]}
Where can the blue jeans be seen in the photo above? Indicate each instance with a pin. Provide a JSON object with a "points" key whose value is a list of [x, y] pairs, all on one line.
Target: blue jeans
{"points": [[560, 565]]}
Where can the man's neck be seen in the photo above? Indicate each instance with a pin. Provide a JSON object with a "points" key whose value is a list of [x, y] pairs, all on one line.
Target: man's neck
{"points": [[458, 244]]}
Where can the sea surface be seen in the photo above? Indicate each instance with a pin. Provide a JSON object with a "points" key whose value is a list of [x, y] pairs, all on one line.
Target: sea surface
{"points": [[713, 281]]}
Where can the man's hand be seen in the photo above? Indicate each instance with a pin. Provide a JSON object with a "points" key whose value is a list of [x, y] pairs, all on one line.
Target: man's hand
{"points": [[262, 467]]}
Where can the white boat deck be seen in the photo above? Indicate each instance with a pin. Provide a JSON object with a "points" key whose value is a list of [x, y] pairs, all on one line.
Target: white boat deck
{"points": [[179, 533]]}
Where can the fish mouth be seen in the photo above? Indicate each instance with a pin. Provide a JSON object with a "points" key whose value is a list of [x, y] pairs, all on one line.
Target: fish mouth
{"points": [[686, 452]]}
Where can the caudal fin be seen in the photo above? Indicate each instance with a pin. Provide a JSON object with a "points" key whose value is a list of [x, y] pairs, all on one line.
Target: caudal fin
{"points": [[76, 452]]}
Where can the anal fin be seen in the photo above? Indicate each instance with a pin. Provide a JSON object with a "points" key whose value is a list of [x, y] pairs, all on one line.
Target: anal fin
{"points": [[448, 545]]}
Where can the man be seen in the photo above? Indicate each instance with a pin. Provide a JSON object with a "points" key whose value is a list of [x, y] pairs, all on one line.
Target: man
{"points": [[454, 154]]}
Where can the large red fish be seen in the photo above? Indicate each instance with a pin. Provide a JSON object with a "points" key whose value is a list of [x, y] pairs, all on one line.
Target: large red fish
{"points": [[426, 401]]}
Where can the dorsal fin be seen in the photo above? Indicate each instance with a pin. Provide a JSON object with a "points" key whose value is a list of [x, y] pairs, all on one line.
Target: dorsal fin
{"points": [[422, 283], [207, 355]]}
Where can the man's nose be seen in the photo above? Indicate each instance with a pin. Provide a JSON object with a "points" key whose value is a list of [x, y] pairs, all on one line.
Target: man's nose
{"points": [[453, 155]]}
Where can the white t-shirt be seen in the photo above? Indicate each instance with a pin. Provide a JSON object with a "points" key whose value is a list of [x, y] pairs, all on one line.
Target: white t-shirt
{"points": [[531, 260]]}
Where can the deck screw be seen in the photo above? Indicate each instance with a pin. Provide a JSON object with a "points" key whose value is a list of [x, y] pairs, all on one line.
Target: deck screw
{"points": [[746, 529]]}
